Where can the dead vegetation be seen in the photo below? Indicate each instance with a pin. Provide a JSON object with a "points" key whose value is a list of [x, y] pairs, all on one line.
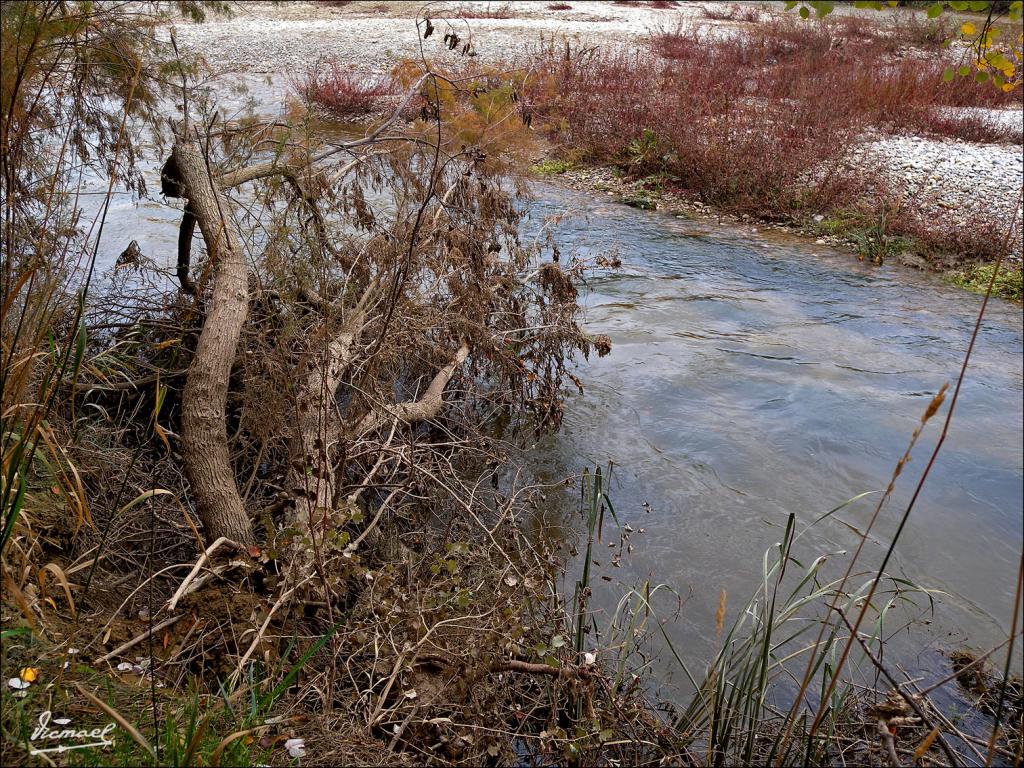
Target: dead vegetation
{"points": [[285, 482], [274, 502]]}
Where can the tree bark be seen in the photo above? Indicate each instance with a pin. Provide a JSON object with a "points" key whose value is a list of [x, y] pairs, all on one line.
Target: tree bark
{"points": [[204, 438], [310, 479]]}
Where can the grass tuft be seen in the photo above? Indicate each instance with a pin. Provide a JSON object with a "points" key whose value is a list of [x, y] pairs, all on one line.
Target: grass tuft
{"points": [[1009, 282]]}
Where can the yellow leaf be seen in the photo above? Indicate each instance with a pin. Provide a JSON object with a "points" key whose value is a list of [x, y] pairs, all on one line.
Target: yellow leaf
{"points": [[29, 674], [925, 744], [163, 435], [1007, 87], [967, 28], [720, 614]]}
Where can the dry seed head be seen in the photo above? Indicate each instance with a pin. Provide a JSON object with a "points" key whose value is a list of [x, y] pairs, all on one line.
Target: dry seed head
{"points": [[936, 403]]}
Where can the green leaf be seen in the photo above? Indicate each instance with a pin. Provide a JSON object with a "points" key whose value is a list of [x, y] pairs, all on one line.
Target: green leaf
{"points": [[804, 13], [956, 5], [981, 77], [268, 700], [948, 75], [979, 5], [934, 10], [557, 641], [964, 71]]}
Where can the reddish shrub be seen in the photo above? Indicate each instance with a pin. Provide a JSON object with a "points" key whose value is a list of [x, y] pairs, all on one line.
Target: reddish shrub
{"points": [[718, 11], [559, 7], [681, 43], [658, 5], [503, 11], [741, 121], [922, 33], [749, 14], [340, 91]]}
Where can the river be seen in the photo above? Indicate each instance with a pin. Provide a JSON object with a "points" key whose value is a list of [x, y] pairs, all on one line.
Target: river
{"points": [[755, 374]]}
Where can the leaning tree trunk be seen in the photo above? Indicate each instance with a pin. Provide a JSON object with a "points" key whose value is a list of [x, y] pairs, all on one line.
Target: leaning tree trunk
{"points": [[204, 437]]}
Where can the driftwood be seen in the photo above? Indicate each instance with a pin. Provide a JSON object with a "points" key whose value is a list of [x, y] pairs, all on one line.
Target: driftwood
{"points": [[427, 407]]}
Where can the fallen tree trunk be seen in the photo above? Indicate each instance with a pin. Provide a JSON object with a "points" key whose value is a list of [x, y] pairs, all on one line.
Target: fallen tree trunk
{"points": [[204, 438]]}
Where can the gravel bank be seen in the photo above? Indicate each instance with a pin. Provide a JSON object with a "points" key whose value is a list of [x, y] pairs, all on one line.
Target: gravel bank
{"points": [[948, 177], [373, 36]]}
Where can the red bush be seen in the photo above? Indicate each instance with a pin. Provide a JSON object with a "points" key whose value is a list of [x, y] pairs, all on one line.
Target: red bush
{"points": [[759, 122], [488, 12], [340, 91]]}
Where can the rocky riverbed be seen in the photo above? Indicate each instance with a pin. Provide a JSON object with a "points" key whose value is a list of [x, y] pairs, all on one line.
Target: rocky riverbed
{"points": [[949, 177]]}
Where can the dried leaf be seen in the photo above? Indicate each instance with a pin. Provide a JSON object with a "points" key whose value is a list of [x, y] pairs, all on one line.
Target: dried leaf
{"points": [[925, 744]]}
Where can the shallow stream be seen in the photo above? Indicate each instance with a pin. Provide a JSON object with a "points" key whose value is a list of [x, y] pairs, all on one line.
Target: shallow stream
{"points": [[753, 375]]}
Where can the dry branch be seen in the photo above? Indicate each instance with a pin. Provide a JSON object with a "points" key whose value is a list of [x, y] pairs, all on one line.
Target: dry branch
{"points": [[310, 478], [183, 589], [427, 407], [136, 640]]}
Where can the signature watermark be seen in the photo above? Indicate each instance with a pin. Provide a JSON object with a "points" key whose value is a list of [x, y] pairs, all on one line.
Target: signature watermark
{"points": [[62, 733]]}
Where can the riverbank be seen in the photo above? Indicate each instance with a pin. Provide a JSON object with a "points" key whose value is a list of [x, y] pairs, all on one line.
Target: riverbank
{"points": [[657, 193], [931, 202]]}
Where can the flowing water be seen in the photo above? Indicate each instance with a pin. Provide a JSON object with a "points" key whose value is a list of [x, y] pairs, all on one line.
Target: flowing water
{"points": [[754, 375]]}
